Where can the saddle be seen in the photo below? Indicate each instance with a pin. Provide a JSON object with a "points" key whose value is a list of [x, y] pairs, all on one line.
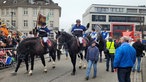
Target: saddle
{"points": [[48, 42], [84, 42]]}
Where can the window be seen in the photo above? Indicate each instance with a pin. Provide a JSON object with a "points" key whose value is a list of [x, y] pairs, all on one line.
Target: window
{"points": [[139, 27], [102, 9], [51, 12], [116, 9], [14, 23], [34, 23], [51, 23], [105, 26], [101, 18], [34, 12], [131, 10], [3, 12], [13, 12], [25, 23], [142, 11], [7, 12], [25, 11], [125, 19]]}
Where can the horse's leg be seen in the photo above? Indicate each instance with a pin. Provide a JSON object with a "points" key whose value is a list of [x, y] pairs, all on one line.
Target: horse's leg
{"points": [[100, 56], [43, 62], [73, 60], [32, 64], [27, 65], [18, 65], [84, 58], [81, 59], [53, 55]]}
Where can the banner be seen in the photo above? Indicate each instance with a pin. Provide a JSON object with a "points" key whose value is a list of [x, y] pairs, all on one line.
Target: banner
{"points": [[41, 19]]}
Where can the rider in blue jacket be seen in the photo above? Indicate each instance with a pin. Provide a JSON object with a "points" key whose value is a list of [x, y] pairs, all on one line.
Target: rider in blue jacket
{"points": [[43, 33], [78, 30]]}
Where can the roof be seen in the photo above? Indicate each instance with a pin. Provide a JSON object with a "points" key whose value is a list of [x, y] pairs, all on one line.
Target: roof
{"points": [[26, 3]]}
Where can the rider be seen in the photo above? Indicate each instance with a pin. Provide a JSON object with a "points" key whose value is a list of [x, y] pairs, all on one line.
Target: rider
{"points": [[78, 31], [43, 33]]}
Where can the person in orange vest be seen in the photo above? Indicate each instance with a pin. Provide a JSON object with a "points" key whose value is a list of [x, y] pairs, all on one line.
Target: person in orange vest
{"points": [[4, 29]]}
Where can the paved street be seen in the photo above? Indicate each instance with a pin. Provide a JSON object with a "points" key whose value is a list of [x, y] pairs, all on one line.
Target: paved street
{"points": [[61, 74]]}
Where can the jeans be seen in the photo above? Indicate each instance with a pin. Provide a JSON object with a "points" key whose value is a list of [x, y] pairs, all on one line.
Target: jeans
{"points": [[110, 57], [124, 74], [90, 63], [138, 64]]}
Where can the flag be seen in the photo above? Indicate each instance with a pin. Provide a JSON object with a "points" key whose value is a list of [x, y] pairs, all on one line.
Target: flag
{"points": [[47, 18], [41, 19]]}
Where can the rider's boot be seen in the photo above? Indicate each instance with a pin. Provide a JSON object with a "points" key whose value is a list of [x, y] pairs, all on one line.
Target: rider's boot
{"points": [[46, 47]]}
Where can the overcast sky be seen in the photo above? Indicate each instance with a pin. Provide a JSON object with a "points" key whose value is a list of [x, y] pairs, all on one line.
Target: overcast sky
{"points": [[74, 9]]}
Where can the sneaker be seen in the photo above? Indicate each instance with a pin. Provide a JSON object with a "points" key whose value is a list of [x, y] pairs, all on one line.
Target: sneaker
{"points": [[107, 70], [112, 70], [93, 77], [87, 78]]}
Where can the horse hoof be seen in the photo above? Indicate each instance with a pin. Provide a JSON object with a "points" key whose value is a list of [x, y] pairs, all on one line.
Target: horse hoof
{"points": [[73, 73], [45, 71], [30, 74], [13, 73], [53, 67], [80, 67]]}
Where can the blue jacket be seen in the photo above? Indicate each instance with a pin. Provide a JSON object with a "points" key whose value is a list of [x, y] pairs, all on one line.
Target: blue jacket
{"points": [[43, 31], [92, 53], [78, 30], [125, 56], [104, 34]]}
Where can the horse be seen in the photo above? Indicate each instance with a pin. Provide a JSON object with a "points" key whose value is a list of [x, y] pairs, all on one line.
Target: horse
{"points": [[30, 47], [73, 46], [101, 46]]}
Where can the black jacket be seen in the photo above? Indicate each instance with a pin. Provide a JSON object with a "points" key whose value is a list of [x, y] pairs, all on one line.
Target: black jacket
{"points": [[139, 47]]}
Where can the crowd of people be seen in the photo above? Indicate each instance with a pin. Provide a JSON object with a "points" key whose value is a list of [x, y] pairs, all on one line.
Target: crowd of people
{"points": [[120, 56]]}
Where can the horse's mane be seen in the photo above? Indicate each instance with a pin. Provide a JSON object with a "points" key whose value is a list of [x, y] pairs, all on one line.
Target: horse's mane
{"points": [[67, 34]]}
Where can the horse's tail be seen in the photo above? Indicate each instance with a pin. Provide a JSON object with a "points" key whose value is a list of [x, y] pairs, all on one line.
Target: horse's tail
{"points": [[58, 54]]}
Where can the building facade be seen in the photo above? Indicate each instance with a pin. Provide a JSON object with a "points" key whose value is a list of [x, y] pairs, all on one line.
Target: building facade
{"points": [[22, 15], [116, 18]]}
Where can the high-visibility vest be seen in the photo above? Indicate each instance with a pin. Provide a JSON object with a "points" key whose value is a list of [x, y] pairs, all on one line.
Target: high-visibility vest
{"points": [[110, 46]]}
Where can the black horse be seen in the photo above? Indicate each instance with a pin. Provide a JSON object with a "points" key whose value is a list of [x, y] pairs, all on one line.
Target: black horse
{"points": [[100, 43], [73, 46], [30, 47]]}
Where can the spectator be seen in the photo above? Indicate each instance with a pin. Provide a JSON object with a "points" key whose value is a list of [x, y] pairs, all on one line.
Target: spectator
{"points": [[139, 47], [124, 60], [30, 34], [92, 58], [110, 45]]}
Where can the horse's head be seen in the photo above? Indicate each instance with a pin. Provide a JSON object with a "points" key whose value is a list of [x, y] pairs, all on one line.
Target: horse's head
{"points": [[62, 38]]}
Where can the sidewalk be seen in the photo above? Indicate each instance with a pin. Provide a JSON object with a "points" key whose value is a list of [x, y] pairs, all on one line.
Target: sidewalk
{"points": [[143, 66]]}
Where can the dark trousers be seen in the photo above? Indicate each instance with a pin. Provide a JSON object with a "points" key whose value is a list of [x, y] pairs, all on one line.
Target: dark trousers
{"points": [[110, 57], [124, 74]]}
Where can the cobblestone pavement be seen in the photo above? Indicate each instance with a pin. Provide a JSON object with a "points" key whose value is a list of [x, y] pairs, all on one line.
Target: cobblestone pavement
{"points": [[61, 74]]}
